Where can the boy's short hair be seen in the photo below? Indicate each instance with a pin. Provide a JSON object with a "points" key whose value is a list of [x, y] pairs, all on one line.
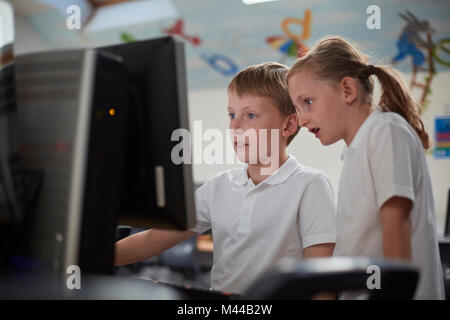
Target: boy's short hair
{"points": [[266, 80]]}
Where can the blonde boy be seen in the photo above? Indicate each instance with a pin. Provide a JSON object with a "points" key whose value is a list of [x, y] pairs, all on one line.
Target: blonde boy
{"points": [[263, 212]]}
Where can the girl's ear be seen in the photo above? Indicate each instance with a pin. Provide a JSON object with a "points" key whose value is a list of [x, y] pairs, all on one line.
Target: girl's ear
{"points": [[349, 89], [291, 125]]}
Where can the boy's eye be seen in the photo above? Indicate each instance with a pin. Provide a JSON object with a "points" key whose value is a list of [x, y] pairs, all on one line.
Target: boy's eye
{"points": [[231, 115], [308, 102], [251, 115]]}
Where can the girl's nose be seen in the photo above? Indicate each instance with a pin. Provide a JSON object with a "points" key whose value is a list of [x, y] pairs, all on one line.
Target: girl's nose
{"points": [[302, 121]]}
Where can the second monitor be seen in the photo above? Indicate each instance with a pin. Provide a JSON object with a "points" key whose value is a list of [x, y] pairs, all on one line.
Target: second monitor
{"points": [[158, 192]]}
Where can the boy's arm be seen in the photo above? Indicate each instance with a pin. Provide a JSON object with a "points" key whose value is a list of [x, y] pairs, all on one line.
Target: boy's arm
{"points": [[147, 244], [317, 218]]}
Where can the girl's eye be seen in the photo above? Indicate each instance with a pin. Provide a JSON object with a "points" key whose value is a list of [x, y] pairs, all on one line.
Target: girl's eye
{"points": [[251, 116], [231, 115], [304, 105]]}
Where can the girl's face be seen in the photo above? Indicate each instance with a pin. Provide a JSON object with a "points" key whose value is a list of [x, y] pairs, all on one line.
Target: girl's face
{"points": [[320, 106]]}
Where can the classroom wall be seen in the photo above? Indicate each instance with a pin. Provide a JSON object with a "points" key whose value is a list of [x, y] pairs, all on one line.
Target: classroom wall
{"points": [[209, 106], [29, 40]]}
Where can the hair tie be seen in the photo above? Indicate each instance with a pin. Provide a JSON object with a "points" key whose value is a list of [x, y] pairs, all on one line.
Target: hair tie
{"points": [[370, 69]]}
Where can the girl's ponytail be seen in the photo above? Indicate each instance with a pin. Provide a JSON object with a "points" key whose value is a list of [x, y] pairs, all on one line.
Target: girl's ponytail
{"points": [[396, 97]]}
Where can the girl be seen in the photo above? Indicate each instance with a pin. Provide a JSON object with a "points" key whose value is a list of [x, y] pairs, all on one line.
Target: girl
{"points": [[385, 200]]}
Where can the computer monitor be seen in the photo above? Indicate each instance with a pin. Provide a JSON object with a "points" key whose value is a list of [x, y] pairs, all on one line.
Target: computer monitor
{"points": [[98, 123], [18, 187], [9, 208], [15, 199], [158, 192]]}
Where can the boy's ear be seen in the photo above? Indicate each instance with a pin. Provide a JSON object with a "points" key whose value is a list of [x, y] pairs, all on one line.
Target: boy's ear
{"points": [[349, 89], [291, 125]]}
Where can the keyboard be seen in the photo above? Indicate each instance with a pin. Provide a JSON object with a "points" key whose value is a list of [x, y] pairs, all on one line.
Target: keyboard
{"points": [[198, 293]]}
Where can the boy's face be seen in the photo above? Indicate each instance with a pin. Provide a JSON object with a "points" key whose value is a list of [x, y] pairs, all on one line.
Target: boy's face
{"points": [[251, 116], [319, 105]]}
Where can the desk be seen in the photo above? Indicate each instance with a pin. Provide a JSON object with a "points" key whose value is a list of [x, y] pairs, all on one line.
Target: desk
{"points": [[50, 287]]}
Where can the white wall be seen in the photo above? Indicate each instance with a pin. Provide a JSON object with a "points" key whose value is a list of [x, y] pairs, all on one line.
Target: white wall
{"points": [[27, 39], [209, 106]]}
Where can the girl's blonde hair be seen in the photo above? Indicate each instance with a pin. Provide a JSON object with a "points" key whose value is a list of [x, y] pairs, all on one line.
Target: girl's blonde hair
{"points": [[265, 80], [334, 58]]}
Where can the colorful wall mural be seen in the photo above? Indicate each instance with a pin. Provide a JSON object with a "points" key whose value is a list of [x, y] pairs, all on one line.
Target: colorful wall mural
{"points": [[224, 36]]}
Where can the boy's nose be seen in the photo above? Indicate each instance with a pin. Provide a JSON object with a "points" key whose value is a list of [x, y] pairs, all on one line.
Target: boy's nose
{"points": [[235, 124]]}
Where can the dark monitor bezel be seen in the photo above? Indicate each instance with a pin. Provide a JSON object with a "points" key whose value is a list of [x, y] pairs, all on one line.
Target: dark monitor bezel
{"points": [[158, 71]]}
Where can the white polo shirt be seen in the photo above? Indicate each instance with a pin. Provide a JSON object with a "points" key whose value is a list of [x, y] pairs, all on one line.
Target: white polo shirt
{"points": [[254, 227], [386, 159]]}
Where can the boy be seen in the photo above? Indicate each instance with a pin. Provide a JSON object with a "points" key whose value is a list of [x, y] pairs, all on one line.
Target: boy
{"points": [[263, 212]]}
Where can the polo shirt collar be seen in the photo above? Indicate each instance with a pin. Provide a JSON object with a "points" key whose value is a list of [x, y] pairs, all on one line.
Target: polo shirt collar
{"points": [[359, 134], [279, 176], [242, 178]]}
